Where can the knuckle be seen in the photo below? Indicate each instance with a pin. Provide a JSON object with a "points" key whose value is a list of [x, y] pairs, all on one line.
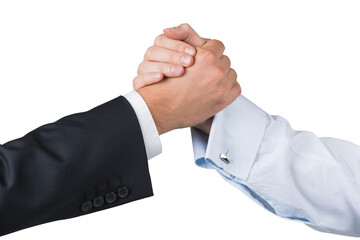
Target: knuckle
{"points": [[173, 69], [227, 59], [149, 53], [238, 89], [185, 26], [135, 83], [209, 55], [173, 58], [219, 43], [140, 68], [159, 39], [233, 73], [180, 47]]}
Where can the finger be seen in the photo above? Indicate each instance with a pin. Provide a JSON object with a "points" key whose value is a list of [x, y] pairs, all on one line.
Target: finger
{"points": [[186, 33], [231, 78], [225, 62], [160, 54], [180, 46], [215, 46], [233, 86], [168, 69], [234, 93], [146, 79]]}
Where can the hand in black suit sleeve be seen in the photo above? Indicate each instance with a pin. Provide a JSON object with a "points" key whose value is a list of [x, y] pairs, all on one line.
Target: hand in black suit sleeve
{"points": [[82, 163]]}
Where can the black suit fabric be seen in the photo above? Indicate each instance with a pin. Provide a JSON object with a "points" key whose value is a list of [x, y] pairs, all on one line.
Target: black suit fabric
{"points": [[80, 164]]}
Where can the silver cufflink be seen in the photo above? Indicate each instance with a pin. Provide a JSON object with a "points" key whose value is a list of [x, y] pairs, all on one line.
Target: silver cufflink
{"points": [[224, 158]]}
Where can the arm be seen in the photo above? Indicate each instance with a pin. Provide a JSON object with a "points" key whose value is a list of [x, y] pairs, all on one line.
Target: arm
{"points": [[96, 160], [295, 175], [79, 164]]}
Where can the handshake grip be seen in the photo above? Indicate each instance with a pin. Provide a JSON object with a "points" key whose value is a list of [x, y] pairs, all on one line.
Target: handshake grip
{"points": [[199, 92]]}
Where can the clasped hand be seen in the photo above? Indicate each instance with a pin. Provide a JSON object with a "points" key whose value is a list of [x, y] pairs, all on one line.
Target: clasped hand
{"points": [[185, 80]]}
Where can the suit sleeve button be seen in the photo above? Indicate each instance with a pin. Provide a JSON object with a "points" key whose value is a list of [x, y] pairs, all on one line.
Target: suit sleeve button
{"points": [[86, 206], [110, 197], [98, 201], [123, 192]]}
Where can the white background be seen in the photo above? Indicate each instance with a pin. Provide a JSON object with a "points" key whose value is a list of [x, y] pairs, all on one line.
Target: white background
{"points": [[297, 59]]}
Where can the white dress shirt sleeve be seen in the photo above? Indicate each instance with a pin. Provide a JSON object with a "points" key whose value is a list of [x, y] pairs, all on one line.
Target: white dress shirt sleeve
{"points": [[293, 174], [147, 124]]}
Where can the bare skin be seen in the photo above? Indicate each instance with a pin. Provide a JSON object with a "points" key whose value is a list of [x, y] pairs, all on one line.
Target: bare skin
{"points": [[169, 51], [206, 87]]}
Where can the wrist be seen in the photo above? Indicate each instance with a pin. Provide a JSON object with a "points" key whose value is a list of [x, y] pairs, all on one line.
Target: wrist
{"points": [[205, 126], [159, 109]]}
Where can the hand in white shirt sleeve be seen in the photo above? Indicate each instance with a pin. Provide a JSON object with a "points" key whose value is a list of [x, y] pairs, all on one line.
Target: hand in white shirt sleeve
{"points": [[295, 175], [147, 124]]}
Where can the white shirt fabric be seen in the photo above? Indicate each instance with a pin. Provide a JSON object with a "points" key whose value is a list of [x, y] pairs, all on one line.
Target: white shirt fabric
{"points": [[295, 175], [147, 125]]}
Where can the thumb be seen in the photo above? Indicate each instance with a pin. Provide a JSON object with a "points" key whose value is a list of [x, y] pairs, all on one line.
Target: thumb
{"points": [[184, 32]]}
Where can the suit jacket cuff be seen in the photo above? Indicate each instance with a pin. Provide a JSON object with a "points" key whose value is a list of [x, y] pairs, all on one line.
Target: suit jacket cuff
{"points": [[80, 164]]}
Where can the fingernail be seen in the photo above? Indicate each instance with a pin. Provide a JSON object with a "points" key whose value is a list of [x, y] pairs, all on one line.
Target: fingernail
{"points": [[156, 76], [174, 29], [186, 59], [190, 51], [176, 69]]}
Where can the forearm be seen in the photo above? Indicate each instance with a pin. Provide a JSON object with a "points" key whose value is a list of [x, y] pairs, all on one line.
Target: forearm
{"points": [[295, 175], [49, 173]]}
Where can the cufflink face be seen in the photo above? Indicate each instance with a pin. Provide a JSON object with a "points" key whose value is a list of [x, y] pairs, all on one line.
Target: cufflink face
{"points": [[224, 158]]}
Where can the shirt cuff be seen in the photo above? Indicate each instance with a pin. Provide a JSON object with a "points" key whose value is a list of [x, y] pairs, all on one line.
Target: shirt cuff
{"points": [[147, 124], [236, 134]]}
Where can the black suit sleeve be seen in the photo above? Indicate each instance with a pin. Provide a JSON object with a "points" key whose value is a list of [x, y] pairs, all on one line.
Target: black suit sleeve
{"points": [[80, 164]]}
